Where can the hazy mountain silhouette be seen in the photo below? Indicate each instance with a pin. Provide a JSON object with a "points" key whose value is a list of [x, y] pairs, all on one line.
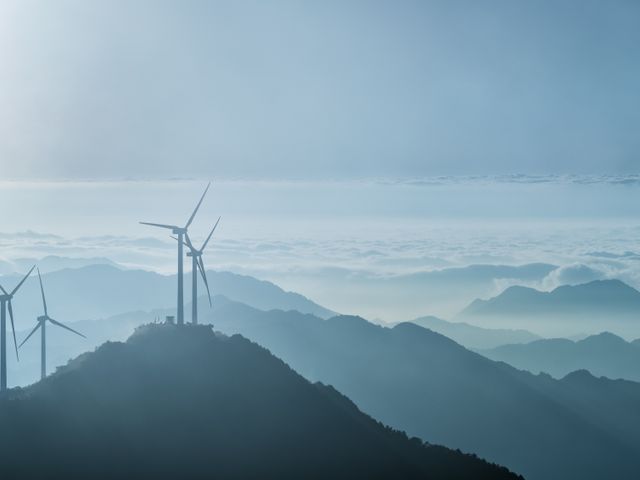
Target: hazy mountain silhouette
{"points": [[184, 402], [424, 383], [421, 382], [51, 263], [6, 267], [605, 355], [63, 347], [100, 291], [475, 337], [590, 307], [599, 294], [443, 292]]}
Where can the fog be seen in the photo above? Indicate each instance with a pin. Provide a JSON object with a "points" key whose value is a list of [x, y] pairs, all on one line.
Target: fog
{"points": [[342, 243]]}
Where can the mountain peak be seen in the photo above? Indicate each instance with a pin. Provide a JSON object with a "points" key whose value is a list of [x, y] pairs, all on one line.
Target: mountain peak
{"points": [[579, 376], [610, 304], [187, 402], [604, 338], [351, 321], [605, 285]]}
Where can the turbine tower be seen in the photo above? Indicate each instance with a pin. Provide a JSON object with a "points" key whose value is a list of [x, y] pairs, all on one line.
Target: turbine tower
{"points": [[5, 301], [198, 264], [181, 232], [42, 320]]}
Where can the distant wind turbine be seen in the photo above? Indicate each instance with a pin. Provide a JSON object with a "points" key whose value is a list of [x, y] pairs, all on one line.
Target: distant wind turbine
{"points": [[181, 232], [42, 320], [198, 264], [5, 300]]}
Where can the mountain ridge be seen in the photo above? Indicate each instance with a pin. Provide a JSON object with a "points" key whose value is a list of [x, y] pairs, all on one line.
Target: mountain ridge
{"points": [[474, 337], [604, 355], [430, 386], [99, 291], [421, 382], [559, 294], [567, 310], [184, 401]]}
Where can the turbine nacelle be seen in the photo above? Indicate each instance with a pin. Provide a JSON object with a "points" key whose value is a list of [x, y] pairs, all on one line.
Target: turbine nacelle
{"points": [[41, 322], [182, 233], [198, 265]]}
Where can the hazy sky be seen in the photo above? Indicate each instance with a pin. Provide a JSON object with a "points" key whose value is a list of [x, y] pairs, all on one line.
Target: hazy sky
{"points": [[318, 89]]}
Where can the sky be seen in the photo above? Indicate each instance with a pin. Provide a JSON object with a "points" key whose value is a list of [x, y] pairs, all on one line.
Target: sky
{"points": [[348, 141], [333, 89]]}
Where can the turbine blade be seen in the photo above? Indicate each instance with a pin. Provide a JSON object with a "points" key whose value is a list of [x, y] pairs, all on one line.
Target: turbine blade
{"points": [[3, 290], [13, 329], [161, 225], [187, 242], [204, 245], [184, 243], [55, 322], [204, 277], [22, 281], [193, 215], [44, 301], [31, 333]]}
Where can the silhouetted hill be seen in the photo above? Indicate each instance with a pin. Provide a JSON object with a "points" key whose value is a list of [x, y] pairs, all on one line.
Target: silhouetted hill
{"points": [[599, 294], [426, 384], [597, 305], [421, 382], [442, 291], [51, 263], [605, 355], [475, 337], [177, 402], [62, 347], [100, 291]]}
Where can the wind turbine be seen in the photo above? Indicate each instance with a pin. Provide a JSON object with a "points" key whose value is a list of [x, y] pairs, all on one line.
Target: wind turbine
{"points": [[198, 264], [42, 320], [5, 301], [181, 232]]}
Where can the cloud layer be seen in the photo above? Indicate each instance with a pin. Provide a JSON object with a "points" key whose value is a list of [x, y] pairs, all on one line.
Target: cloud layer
{"points": [[347, 245]]}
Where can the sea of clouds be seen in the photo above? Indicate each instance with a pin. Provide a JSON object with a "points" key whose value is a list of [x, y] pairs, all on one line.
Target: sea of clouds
{"points": [[331, 239]]}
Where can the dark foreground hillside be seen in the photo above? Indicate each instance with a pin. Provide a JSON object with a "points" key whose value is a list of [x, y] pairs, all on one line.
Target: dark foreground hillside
{"points": [[184, 403], [427, 385]]}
